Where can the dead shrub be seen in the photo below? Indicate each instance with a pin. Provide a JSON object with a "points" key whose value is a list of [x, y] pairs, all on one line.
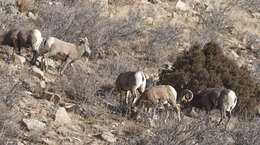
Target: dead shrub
{"points": [[204, 68], [249, 5], [23, 5]]}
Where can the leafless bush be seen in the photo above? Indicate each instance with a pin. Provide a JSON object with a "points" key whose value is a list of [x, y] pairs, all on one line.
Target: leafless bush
{"points": [[10, 17], [251, 40], [214, 22], [175, 133], [249, 5], [247, 133], [10, 90], [10, 87], [23, 5], [160, 43], [121, 2], [81, 87]]}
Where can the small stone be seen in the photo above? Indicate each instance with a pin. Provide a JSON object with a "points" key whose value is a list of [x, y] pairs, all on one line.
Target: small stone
{"points": [[31, 15], [38, 72], [35, 125], [19, 59], [108, 136], [149, 21], [182, 6], [62, 116], [43, 84]]}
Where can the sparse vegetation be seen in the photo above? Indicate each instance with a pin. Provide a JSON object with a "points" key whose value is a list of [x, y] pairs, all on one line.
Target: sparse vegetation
{"points": [[23, 5], [129, 35], [204, 68]]}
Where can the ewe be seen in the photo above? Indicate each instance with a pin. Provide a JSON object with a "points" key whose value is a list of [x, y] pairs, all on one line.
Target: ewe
{"points": [[72, 52]]}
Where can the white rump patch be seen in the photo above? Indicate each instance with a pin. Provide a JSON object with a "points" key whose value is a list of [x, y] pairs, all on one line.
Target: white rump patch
{"points": [[232, 100], [174, 92], [39, 38]]}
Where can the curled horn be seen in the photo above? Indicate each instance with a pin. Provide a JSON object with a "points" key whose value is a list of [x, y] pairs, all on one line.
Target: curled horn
{"points": [[188, 95]]}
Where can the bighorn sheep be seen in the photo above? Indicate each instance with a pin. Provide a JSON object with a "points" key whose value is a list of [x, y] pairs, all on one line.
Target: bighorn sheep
{"points": [[23, 37], [223, 99], [72, 52], [131, 81], [164, 95]]}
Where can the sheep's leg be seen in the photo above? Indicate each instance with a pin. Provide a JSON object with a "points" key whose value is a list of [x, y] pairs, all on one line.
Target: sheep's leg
{"points": [[17, 47], [46, 57], [35, 55], [120, 101], [68, 61], [177, 110], [223, 115], [229, 117], [130, 104], [136, 98], [208, 116], [42, 61], [127, 97]]}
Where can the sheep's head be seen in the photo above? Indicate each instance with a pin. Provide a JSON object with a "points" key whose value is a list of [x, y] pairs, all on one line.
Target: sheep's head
{"points": [[187, 97], [84, 41]]}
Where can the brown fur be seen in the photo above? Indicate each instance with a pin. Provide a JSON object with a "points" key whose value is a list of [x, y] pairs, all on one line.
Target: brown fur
{"points": [[18, 38], [162, 94]]}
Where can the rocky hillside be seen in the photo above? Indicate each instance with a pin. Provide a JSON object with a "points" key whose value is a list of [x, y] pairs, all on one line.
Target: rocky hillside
{"points": [[82, 106]]}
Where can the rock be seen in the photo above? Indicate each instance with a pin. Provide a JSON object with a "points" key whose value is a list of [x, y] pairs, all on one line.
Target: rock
{"points": [[148, 21], [50, 96], [20, 60], [71, 107], [62, 117], [108, 136], [182, 6], [154, 1], [256, 15], [102, 128], [31, 15], [193, 113], [19, 143], [32, 83], [49, 77], [38, 72], [34, 125]]}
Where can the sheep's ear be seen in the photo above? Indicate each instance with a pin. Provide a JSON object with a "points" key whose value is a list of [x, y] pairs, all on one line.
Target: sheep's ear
{"points": [[81, 40]]}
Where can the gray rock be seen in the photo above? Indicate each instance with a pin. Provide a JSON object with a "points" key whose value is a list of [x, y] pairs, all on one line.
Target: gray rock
{"points": [[38, 72], [182, 6], [108, 136], [62, 117], [256, 15], [19, 59], [35, 125]]}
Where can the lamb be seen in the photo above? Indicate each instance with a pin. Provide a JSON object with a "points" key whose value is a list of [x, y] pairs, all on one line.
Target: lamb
{"points": [[55, 47], [164, 95], [131, 82], [223, 99], [23, 37]]}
